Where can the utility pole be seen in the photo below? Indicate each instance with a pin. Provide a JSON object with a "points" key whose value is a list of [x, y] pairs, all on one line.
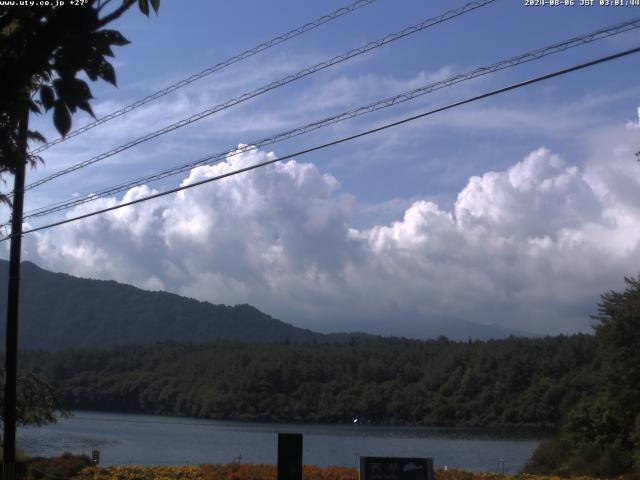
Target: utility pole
{"points": [[11, 349]]}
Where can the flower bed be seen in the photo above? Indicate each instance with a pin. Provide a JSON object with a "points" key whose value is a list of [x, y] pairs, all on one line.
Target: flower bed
{"points": [[267, 472]]}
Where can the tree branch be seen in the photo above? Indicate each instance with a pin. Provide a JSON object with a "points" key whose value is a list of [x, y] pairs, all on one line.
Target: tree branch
{"points": [[116, 13], [102, 4]]}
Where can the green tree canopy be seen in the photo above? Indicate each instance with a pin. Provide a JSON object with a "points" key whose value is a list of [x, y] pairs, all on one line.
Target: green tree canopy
{"points": [[618, 333], [37, 401], [42, 51], [601, 435]]}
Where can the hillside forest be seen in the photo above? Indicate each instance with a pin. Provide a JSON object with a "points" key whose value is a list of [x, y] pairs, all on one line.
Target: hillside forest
{"points": [[393, 381]]}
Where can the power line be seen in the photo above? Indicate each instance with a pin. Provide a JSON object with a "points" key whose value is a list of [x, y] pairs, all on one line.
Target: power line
{"points": [[450, 14], [209, 70], [378, 105], [341, 140]]}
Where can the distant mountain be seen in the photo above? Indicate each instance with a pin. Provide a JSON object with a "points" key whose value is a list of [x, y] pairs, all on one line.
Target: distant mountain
{"points": [[59, 311], [457, 329]]}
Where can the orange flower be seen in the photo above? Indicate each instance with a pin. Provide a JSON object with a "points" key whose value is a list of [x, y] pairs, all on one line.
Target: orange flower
{"points": [[235, 471]]}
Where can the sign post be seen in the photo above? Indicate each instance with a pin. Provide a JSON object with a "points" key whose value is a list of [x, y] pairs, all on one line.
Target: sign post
{"points": [[396, 468]]}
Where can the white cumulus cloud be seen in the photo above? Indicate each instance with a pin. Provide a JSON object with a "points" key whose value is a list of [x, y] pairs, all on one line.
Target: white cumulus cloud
{"points": [[530, 247]]}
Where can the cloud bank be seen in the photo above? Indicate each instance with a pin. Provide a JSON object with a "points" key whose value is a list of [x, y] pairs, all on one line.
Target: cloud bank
{"points": [[530, 247]]}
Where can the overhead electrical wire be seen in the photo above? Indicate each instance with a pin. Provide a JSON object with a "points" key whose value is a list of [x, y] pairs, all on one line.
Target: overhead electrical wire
{"points": [[448, 15], [537, 54], [209, 70], [491, 93]]}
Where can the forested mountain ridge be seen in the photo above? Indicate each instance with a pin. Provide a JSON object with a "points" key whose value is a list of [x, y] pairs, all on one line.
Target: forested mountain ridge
{"points": [[514, 381], [59, 311]]}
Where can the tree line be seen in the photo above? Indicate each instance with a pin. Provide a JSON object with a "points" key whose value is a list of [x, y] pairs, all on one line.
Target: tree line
{"points": [[516, 381]]}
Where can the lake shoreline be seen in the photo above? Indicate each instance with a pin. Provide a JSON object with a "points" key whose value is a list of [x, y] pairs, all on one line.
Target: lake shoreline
{"points": [[535, 430]]}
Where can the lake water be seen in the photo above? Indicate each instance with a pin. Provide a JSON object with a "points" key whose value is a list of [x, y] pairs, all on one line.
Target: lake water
{"points": [[156, 440]]}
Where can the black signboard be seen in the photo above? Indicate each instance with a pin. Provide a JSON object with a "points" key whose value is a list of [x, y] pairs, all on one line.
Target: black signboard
{"points": [[289, 456], [396, 468]]}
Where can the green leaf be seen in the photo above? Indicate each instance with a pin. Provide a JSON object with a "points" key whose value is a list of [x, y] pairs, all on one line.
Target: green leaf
{"points": [[81, 89], [144, 6], [114, 37], [47, 97], [107, 73], [84, 105], [156, 5], [92, 66], [61, 118], [74, 93], [33, 135], [91, 69], [105, 50]]}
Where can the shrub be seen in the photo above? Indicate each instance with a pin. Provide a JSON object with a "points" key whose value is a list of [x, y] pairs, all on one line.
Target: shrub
{"points": [[64, 466]]}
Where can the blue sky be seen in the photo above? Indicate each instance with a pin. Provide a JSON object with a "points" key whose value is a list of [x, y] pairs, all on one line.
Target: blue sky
{"points": [[518, 210]]}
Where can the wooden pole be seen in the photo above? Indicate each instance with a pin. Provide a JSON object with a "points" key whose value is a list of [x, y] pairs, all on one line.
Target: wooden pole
{"points": [[11, 348]]}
